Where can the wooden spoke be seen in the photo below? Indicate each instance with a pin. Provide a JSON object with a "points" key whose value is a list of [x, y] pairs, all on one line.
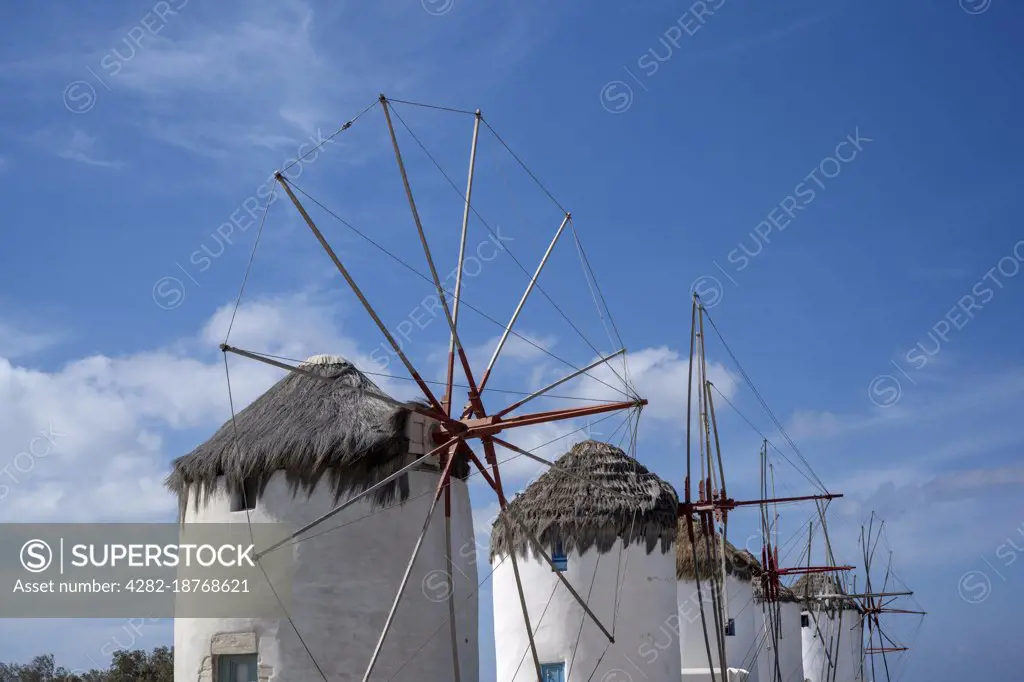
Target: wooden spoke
{"points": [[426, 250], [462, 258], [522, 302], [359, 294], [442, 484]]}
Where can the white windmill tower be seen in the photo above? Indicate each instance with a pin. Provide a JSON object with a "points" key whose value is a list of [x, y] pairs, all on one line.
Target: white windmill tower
{"points": [[308, 444], [605, 527], [832, 633], [741, 629], [779, 626], [324, 443]]}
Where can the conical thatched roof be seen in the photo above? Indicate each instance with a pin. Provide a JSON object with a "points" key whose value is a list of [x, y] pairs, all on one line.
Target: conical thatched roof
{"points": [[607, 496], [740, 564], [309, 429], [811, 585]]}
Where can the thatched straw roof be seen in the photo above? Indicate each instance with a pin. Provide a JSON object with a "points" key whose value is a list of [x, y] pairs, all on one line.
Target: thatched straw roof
{"points": [[309, 429], [740, 564], [811, 585], [785, 594], [607, 496]]}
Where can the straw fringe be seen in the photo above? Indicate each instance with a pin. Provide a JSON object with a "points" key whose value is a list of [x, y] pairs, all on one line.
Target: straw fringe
{"points": [[738, 563], [311, 430], [609, 496], [811, 585]]}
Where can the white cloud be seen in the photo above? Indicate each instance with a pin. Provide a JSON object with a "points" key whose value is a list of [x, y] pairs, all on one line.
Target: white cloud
{"points": [[660, 375], [260, 69], [938, 467], [15, 342], [108, 417], [82, 148], [519, 348]]}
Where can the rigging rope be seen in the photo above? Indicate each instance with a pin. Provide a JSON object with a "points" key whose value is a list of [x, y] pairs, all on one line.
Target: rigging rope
{"points": [[607, 309], [760, 433], [446, 620], [344, 126], [583, 619], [436, 383], [248, 267], [523, 166], [527, 650], [764, 404], [462, 300], [488, 228], [248, 521], [431, 106], [628, 543], [598, 664]]}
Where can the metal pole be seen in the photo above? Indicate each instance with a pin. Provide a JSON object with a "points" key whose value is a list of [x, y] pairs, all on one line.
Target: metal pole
{"points": [[700, 600], [490, 425], [719, 593], [412, 407], [408, 569], [558, 383], [522, 302], [718, 455], [359, 294], [462, 254], [492, 459], [423, 240], [522, 602], [452, 629], [689, 395]]}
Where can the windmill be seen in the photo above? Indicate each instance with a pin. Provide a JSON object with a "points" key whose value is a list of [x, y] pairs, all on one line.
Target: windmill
{"points": [[449, 428], [881, 644], [707, 517]]}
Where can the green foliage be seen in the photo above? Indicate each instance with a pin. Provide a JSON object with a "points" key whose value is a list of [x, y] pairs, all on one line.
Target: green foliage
{"points": [[126, 666]]}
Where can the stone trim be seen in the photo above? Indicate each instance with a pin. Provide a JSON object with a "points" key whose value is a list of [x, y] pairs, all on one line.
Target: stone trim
{"points": [[233, 643]]}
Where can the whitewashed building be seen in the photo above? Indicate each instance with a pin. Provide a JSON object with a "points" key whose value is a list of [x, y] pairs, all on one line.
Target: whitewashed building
{"points": [[743, 618], [610, 527], [781, 657], [832, 632], [304, 446]]}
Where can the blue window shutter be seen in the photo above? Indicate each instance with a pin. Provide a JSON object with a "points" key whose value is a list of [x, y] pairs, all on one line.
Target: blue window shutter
{"points": [[240, 668], [559, 559], [552, 672]]}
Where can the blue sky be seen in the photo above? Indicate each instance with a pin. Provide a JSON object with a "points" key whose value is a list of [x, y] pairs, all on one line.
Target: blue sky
{"points": [[871, 289]]}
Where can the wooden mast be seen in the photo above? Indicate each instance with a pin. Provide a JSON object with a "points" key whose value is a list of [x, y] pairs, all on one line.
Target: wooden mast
{"points": [[713, 503]]}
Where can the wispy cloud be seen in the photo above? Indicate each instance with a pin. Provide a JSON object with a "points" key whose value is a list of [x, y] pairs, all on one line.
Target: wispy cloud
{"points": [[768, 37], [16, 343], [262, 73], [82, 148]]}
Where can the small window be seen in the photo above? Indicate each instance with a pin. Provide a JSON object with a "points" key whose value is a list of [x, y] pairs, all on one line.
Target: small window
{"points": [[237, 668], [552, 672], [558, 558], [805, 620], [244, 496], [730, 628]]}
